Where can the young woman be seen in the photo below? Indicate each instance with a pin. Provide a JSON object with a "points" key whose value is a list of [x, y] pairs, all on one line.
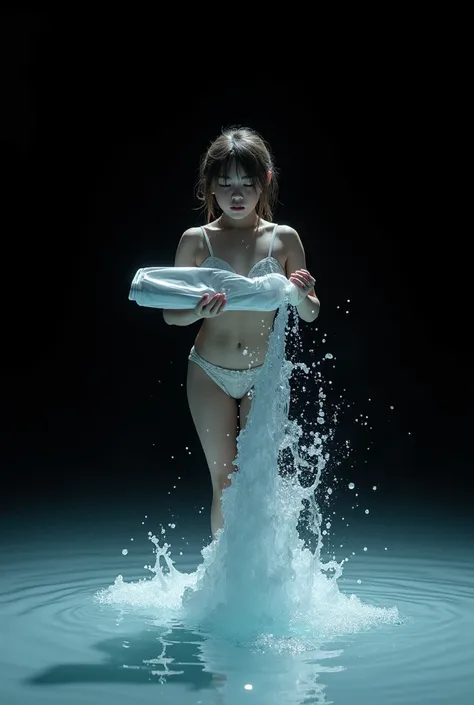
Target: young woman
{"points": [[237, 180]]}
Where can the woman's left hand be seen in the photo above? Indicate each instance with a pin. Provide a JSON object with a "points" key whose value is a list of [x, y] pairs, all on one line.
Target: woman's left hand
{"points": [[303, 280]]}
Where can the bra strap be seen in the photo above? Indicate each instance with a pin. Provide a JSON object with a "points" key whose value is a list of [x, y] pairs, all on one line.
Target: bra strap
{"points": [[207, 241], [272, 240]]}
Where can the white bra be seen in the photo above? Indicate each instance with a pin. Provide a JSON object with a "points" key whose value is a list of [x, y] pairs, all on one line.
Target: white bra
{"points": [[267, 265]]}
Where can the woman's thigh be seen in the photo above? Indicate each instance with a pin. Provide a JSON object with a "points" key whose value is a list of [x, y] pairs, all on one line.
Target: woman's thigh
{"points": [[214, 414]]}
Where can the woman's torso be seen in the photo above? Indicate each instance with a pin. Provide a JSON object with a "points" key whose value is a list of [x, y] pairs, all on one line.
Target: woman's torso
{"points": [[239, 339]]}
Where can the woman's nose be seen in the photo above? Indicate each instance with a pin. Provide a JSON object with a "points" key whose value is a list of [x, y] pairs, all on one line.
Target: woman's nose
{"points": [[237, 196]]}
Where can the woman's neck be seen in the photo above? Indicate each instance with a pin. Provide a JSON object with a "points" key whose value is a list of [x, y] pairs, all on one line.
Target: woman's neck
{"points": [[251, 220]]}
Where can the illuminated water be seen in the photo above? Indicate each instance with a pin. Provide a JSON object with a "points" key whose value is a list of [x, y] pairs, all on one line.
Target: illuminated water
{"points": [[286, 607], [59, 646]]}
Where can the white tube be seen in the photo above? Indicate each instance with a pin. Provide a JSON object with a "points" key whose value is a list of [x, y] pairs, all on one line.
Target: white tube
{"points": [[183, 287]]}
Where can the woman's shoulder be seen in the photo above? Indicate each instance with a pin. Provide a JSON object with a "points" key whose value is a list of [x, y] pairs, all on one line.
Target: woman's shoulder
{"points": [[197, 230], [286, 233], [289, 239], [192, 232], [283, 228]]}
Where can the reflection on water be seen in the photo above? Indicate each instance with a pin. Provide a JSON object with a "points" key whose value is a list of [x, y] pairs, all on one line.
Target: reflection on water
{"points": [[202, 662]]}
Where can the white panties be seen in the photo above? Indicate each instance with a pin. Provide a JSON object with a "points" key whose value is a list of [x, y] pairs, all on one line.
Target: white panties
{"points": [[235, 383]]}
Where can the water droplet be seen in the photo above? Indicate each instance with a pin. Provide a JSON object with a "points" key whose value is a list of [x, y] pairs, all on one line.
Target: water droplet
{"points": [[124, 552], [351, 485]]}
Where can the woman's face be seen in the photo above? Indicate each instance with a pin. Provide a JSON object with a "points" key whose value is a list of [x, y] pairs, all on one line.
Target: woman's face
{"points": [[236, 193]]}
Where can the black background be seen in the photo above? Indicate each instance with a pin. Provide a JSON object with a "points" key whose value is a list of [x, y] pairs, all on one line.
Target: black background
{"points": [[102, 131]]}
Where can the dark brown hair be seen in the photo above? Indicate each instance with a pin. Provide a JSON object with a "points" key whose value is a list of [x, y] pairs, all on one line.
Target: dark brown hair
{"points": [[252, 154]]}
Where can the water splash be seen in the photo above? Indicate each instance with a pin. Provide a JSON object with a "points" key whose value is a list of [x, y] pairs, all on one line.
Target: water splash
{"points": [[263, 579]]}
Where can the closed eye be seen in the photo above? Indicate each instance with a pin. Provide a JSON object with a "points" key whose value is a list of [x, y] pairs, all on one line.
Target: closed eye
{"points": [[228, 185]]}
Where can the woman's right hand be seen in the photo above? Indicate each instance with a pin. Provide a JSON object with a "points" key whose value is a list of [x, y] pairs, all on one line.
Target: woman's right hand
{"points": [[210, 306]]}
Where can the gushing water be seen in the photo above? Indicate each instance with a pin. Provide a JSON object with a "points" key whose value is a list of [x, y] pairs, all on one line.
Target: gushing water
{"points": [[260, 581]]}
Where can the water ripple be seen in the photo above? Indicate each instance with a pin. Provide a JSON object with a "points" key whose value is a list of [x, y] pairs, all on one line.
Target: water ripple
{"points": [[48, 611]]}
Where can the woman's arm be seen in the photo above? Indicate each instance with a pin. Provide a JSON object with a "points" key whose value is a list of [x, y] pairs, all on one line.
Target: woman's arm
{"points": [[185, 257], [308, 309]]}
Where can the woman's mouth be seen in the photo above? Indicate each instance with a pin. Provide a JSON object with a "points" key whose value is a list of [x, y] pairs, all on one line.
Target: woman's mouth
{"points": [[237, 208]]}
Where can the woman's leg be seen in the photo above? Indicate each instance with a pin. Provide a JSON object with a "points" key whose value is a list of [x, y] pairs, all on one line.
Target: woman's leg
{"points": [[215, 417]]}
